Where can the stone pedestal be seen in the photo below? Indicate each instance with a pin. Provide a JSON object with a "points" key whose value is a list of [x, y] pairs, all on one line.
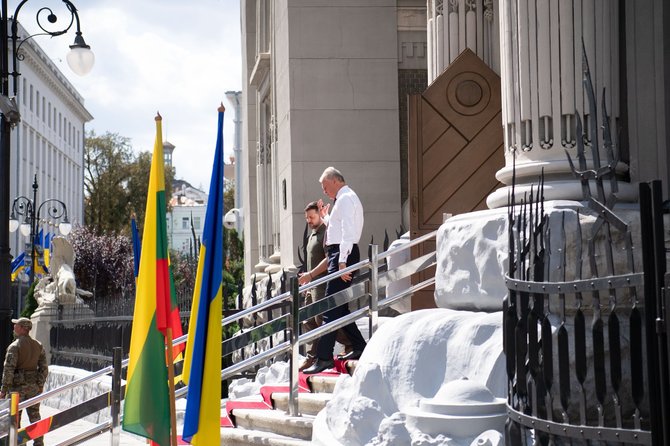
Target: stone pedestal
{"points": [[41, 330]]}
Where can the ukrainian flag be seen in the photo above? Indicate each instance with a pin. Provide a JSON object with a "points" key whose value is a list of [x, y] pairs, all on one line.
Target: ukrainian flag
{"points": [[47, 249], [202, 367], [40, 269], [18, 264]]}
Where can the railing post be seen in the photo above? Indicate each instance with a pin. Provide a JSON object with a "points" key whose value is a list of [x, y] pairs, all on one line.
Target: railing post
{"points": [[294, 323], [14, 418], [115, 407], [374, 288]]}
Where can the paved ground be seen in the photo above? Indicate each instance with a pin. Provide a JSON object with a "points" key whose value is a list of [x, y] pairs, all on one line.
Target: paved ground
{"points": [[60, 435]]}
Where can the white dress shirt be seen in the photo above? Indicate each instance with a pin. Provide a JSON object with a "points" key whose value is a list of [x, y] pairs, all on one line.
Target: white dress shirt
{"points": [[345, 222]]}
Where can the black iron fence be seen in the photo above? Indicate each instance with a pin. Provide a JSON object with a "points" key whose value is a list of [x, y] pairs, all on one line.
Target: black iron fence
{"points": [[84, 334], [584, 334]]}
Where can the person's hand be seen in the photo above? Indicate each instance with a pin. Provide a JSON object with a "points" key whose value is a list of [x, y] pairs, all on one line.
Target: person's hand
{"points": [[346, 277], [304, 278], [323, 209]]}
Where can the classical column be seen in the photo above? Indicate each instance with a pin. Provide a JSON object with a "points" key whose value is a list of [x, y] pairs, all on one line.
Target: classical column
{"points": [[543, 93], [454, 25]]}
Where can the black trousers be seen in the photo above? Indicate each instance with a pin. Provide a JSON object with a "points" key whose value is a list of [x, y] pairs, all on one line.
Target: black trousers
{"points": [[327, 342]]}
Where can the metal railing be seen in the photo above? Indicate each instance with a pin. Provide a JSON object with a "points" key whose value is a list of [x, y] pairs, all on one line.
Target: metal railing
{"points": [[375, 276]]}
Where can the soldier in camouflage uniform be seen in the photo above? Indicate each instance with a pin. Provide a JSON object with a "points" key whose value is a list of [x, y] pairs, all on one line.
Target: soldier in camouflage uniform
{"points": [[25, 369]]}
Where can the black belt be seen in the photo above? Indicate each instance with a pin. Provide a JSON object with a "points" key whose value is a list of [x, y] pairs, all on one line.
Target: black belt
{"points": [[338, 245]]}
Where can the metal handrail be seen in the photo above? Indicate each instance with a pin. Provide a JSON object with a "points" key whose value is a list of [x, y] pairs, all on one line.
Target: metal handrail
{"points": [[292, 296]]}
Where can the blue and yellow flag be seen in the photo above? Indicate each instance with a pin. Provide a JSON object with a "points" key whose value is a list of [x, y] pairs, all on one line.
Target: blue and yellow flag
{"points": [[47, 249], [202, 367], [40, 269], [18, 265]]}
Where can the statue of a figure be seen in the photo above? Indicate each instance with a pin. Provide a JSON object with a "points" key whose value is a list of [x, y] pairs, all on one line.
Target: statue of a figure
{"points": [[60, 285]]}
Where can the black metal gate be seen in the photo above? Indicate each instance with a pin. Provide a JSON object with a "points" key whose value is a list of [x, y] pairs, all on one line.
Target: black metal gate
{"points": [[587, 353]]}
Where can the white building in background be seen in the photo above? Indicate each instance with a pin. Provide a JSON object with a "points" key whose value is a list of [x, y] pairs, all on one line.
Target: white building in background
{"points": [[49, 140], [186, 204]]}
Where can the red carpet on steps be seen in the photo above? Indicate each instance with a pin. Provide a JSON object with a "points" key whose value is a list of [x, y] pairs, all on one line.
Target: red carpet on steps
{"points": [[267, 391]]}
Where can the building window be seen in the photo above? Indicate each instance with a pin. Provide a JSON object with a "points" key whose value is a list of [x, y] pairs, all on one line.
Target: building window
{"points": [[184, 222], [196, 222], [37, 104]]}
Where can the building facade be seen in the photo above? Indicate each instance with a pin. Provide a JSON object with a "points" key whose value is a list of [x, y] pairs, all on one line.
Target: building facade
{"points": [[324, 84], [48, 143]]}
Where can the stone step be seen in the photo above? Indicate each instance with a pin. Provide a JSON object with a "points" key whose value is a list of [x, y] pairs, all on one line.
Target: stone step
{"points": [[275, 421], [308, 403], [323, 383], [246, 437]]}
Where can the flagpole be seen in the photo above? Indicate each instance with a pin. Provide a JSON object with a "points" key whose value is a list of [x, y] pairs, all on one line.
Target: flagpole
{"points": [[170, 368]]}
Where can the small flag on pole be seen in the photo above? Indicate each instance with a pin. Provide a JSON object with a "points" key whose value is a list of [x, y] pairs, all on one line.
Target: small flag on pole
{"points": [[47, 249], [18, 264]]}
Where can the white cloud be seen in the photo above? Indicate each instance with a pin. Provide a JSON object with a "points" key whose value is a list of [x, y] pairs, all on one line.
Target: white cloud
{"points": [[171, 56]]}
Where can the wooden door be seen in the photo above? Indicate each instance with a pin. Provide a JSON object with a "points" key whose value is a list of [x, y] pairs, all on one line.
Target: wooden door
{"points": [[455, 149]]}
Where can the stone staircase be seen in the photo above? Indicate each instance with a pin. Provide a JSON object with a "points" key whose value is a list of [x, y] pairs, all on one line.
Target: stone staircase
{"points": [[275, 427]]}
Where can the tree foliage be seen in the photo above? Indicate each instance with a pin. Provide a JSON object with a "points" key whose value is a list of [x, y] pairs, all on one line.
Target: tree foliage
{"points": [[116, 182], [106, 160], [103, 262]]}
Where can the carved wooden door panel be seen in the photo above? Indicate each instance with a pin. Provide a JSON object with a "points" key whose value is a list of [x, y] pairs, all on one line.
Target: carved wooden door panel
{"points": [[455, 149]]}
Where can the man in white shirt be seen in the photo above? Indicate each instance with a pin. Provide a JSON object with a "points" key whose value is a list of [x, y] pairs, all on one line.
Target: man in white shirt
{"points": [[343, 232]]}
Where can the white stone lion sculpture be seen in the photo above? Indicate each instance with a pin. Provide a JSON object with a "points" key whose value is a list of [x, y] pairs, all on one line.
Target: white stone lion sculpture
{"points": [[61, 283]]}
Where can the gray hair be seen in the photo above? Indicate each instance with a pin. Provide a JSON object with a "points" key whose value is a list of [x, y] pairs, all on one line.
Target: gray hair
{"points": [[331, 173]]}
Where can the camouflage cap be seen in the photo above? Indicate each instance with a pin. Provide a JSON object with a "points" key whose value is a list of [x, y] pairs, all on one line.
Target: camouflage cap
{"points": [[23, 322]]}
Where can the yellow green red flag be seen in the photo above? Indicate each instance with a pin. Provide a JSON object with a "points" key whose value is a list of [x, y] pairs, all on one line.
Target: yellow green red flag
{"points": [[146, 407]]}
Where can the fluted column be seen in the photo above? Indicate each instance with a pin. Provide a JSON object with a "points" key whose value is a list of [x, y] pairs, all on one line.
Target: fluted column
{"points": [[542, 89], [454, 25]]}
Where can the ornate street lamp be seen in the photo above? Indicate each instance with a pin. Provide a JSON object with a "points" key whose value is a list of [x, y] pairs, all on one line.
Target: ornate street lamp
{"points": [[30, 211], [81, 61]]}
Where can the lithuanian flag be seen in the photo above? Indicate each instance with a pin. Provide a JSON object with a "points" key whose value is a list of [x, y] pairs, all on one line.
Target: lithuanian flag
{"points": [[202, 366], [146, 409]]}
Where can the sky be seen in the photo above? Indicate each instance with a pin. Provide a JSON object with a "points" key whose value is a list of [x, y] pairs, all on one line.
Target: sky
{"points": [[171, 56]]}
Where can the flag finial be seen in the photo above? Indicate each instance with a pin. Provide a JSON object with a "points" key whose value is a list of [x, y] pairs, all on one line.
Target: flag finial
{"points": [[158, 117], [221, 108]]}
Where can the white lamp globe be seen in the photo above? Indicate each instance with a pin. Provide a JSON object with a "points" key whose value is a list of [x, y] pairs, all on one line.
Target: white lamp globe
{"points": [[65, 228], [80, 58], [25, 229]]}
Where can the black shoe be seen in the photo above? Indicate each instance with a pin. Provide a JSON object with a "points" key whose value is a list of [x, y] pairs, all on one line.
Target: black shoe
{"points": [[354, 354], [319, 366]]}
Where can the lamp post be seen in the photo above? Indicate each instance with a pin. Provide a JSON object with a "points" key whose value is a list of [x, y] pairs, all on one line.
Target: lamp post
{"points": [[28, 209], [80, 60]]}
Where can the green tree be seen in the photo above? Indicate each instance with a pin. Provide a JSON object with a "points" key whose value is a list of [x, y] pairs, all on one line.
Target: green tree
{"points": [[106, 160], [116, 182], [137, 185], [228, 195]]}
